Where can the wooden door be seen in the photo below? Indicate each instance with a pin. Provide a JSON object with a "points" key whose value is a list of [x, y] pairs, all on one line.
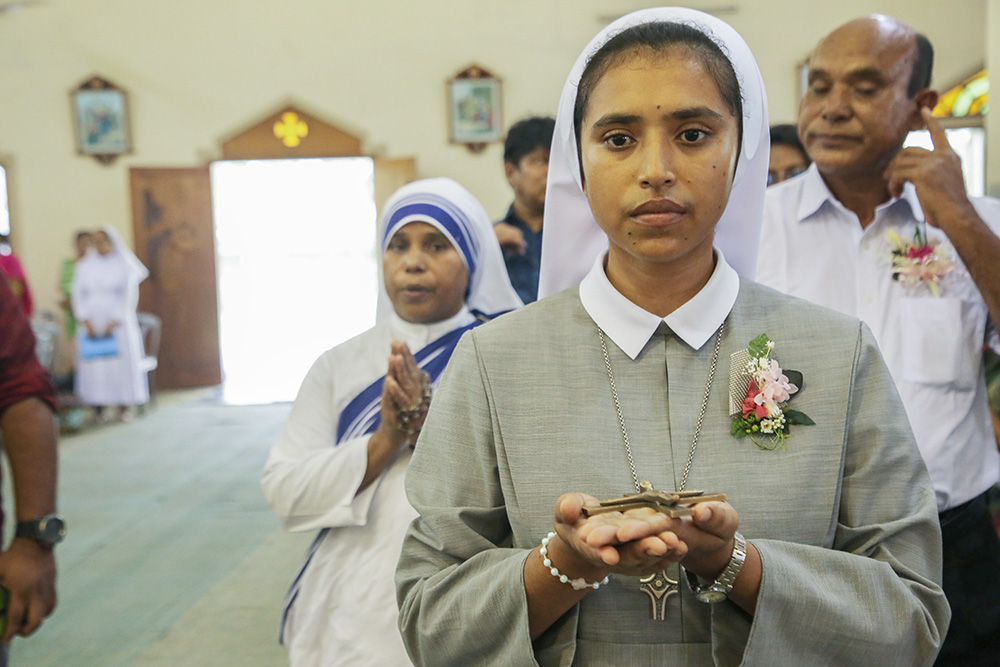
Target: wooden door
{"points": [[390, 175], [175, 239]]}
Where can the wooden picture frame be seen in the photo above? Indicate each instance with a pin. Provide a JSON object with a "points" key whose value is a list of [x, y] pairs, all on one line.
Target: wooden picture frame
{"points": [[101, 123], [475, 108]]}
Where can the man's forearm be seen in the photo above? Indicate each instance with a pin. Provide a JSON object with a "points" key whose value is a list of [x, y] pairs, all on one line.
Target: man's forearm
{"points": [[29, 438], [979, 249]]}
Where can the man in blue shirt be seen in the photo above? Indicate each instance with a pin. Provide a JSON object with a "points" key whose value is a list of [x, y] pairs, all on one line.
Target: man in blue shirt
{"points": [[526, 163]]}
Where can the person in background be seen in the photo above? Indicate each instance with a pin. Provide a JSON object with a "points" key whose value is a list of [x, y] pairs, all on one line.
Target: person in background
{"points": [[890, 235], [82, 244], [28, 435], [526, 164], [338, 466], [109, 342], [12, 269], [788, 157]]}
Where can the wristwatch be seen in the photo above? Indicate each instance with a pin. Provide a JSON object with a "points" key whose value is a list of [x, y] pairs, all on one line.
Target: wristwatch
{"points": [[719, 590], [48, 530]]}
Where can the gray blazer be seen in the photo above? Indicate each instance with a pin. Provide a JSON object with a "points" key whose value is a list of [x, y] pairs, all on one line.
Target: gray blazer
{"points": [[844, 517]]}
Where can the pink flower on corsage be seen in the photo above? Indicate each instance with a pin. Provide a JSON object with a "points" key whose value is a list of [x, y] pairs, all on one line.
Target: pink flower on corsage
{"points": [[919, 261], [764, 410]]}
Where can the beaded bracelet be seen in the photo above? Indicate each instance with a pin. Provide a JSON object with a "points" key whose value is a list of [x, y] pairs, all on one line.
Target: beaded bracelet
{"points": [[577, 584]]}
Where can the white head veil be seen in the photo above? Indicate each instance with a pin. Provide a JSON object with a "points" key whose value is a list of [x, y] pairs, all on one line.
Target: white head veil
{"points": [[571, 238], [120, 253], [458, 215]]}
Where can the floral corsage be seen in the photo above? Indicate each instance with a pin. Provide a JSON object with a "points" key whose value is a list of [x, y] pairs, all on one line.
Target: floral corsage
{"points": [[759, 394], [920, 260]]}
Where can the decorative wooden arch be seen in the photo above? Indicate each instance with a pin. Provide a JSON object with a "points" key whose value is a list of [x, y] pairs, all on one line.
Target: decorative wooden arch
{"points": [[289, 133]]}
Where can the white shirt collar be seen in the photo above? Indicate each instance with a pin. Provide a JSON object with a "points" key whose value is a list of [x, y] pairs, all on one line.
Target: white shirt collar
{"points": [[815, 193], [631, 327], [414, 334]]}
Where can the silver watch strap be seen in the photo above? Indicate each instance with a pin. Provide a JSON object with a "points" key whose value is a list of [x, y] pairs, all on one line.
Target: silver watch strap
{"points": [[720, 589]]}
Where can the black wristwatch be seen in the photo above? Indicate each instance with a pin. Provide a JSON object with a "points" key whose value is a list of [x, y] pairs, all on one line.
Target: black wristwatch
{"points": [[48, 530]]}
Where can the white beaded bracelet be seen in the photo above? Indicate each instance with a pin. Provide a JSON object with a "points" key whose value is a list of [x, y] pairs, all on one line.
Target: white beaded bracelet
{"points": [[577, 584]]}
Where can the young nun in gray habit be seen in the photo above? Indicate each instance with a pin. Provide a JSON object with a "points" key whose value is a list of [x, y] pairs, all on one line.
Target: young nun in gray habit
{"points": [[661, 360]]}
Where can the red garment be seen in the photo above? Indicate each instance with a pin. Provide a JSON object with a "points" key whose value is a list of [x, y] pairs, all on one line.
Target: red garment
{"points": [[22, 376], [13, 270]]}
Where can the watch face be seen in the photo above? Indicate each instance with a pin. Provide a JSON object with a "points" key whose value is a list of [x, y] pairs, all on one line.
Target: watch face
{"points": [[710, 596], [52, 530]]}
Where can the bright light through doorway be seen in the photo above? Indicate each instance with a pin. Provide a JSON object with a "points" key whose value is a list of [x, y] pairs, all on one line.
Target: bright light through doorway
{"points": [[297, 267]]}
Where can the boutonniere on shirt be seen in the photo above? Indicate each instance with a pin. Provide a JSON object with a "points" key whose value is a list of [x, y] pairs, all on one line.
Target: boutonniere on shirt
{"points": [[759, 392], [920, 260]]}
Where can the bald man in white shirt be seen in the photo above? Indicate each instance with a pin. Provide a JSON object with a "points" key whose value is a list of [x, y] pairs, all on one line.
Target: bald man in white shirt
{"points": [[829, 236]]}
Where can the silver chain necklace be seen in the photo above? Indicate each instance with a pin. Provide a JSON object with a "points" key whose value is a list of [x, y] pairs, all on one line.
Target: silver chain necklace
{"points": [[659, 586], [701, 415]]}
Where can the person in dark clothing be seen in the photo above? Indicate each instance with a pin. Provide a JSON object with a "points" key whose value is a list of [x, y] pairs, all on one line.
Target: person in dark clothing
{"points": [[526, 163]]}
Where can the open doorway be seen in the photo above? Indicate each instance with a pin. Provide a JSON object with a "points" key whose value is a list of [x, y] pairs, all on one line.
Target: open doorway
{"points": [[297, 270]]}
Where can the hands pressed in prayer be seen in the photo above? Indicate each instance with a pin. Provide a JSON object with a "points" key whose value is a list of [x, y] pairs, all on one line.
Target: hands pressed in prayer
{"points": [[408, 387], [402, 391], [641, 541]]}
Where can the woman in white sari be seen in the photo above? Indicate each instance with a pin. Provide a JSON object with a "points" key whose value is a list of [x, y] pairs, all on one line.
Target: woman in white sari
{"points": [[338, 466], [662, 365], [109, 343]]}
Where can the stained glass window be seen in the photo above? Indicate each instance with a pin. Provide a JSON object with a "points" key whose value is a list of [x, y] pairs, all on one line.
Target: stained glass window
{"points": [[969, 98]]}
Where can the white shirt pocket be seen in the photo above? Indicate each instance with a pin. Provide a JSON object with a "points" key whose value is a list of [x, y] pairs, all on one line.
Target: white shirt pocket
{"points": [[940, 341]]}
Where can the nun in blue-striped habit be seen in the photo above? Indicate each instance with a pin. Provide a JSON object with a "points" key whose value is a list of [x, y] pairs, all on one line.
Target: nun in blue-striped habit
{"points": [[338, 467]]}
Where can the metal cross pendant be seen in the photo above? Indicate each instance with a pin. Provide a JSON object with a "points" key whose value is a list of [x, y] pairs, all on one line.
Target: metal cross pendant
{"points": [[658, 587]]}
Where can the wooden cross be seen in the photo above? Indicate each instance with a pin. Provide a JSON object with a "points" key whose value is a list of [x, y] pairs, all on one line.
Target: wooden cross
{"points": [[673, 503]]}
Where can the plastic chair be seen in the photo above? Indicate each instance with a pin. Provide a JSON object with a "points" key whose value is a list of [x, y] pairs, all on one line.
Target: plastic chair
{"points": [[150, 327]]}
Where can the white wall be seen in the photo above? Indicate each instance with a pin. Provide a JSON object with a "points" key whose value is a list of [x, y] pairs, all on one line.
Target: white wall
{"points": [[199, 70]]}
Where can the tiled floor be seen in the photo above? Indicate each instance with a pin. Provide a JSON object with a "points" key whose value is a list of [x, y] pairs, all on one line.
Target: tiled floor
{"points": [[172, 556]]}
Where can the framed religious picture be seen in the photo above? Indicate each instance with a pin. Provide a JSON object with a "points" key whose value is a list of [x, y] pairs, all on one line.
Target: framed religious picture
{"points": [[475, 110], [101, 120]]}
